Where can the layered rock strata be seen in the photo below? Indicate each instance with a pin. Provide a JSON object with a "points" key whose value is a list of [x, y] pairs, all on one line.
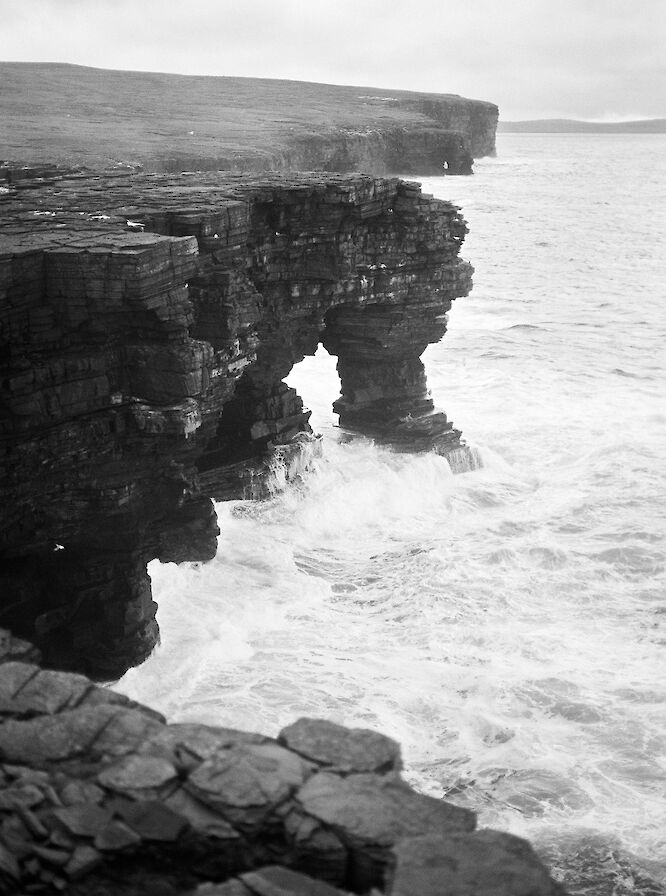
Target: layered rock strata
{"points": [[146, 326], [99, 795]]}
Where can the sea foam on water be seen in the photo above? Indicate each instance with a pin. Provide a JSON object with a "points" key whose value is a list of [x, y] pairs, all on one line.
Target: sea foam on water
{"points": [[506, 624]]}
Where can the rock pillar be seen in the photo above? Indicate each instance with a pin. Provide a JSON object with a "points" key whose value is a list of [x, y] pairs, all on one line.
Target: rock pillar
{"points": [[389, 400], [383, 382]]}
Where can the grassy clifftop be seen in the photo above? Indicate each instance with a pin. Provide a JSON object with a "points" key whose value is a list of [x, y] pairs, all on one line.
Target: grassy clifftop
{"points": [[96, 117]]}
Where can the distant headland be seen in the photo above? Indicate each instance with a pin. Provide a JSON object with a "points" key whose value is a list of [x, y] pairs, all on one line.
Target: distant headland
{"points": [[573, 126]]}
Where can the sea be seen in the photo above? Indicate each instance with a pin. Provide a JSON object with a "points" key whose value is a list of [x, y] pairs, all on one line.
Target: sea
{"points": [[506, 625]]}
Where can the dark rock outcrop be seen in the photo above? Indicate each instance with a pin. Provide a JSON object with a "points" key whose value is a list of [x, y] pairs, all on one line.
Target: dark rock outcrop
{"points": [[423, 149], [146, 325], [98, 796]]}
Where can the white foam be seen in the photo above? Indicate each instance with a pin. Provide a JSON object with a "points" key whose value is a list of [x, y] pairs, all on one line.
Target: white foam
{"points": [[506, 625]]}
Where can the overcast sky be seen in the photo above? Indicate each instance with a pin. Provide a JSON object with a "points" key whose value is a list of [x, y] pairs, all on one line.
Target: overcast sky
{"points": [[536, 58]]}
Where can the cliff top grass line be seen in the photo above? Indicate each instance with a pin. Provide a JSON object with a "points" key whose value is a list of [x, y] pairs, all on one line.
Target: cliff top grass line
{"points": [[71, 114]]}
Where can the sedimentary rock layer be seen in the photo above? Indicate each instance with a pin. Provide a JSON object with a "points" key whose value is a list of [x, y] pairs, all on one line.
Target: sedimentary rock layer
{"points": [[72, 114], [146, 325], [98, 796]]}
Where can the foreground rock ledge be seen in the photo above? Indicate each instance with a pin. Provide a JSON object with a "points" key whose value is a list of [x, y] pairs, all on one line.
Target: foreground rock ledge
{"points": [[98, 795], [146, 325]]}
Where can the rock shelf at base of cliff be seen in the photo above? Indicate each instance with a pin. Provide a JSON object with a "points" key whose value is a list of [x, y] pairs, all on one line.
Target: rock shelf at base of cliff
{"points": [[99, 796], [147, 323]]}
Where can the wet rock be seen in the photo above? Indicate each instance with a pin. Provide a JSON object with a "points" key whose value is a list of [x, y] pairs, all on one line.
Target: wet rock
{"points": [[187, 745], [201, 819], [244, 784], [84, 859], [341, 749], [13, 648], [130, 728], [591, 864], [51, 738], [366, 809], [107, 798], [152, 820], [83, 820], [9, 867], [369, 814], [16, 836], [272, 880], [32, 822], [317, 850], [275, 880], [26, 795], [14, 676], [56, 857], [74, 792], [233, 887], [116, 837], [483, 863], [49, 692], [136, 774]]}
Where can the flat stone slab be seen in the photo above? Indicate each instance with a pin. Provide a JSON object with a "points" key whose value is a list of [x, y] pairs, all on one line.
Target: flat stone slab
{"points": [[13, 648], [84, 819], [483, 863], [278, 881], [272, 880], [340, 749], [49, 739], [245, 783], [136, 773], [367, 809]]}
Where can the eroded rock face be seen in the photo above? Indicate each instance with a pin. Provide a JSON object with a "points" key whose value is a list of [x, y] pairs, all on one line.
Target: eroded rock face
{"points": [[99, 795], [474, 863], [146, 325]]}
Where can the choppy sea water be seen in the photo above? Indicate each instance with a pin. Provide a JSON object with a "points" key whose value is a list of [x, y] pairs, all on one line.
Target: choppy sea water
{"points": [[508, 625]]}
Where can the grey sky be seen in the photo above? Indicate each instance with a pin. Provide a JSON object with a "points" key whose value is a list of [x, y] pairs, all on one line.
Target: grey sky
{"points": [[535, 58]]}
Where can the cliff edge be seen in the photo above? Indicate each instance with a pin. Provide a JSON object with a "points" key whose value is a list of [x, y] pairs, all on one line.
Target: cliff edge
{"points": [[160, 122]]}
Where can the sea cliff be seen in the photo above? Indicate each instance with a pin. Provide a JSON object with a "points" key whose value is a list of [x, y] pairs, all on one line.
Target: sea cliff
{"points": [[147, 325]]}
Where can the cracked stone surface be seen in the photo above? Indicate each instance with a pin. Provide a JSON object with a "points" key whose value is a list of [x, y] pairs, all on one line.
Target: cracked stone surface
{"points": [[342, 749], [100, 796]]}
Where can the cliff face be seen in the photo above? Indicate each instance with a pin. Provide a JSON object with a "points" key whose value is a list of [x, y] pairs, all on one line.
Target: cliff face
{"points": [[146, 325], [476, 121], [419, 149]]}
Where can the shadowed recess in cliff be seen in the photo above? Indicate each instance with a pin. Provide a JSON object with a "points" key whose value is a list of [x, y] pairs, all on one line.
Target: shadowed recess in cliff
{"points": [[148, 323]]}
